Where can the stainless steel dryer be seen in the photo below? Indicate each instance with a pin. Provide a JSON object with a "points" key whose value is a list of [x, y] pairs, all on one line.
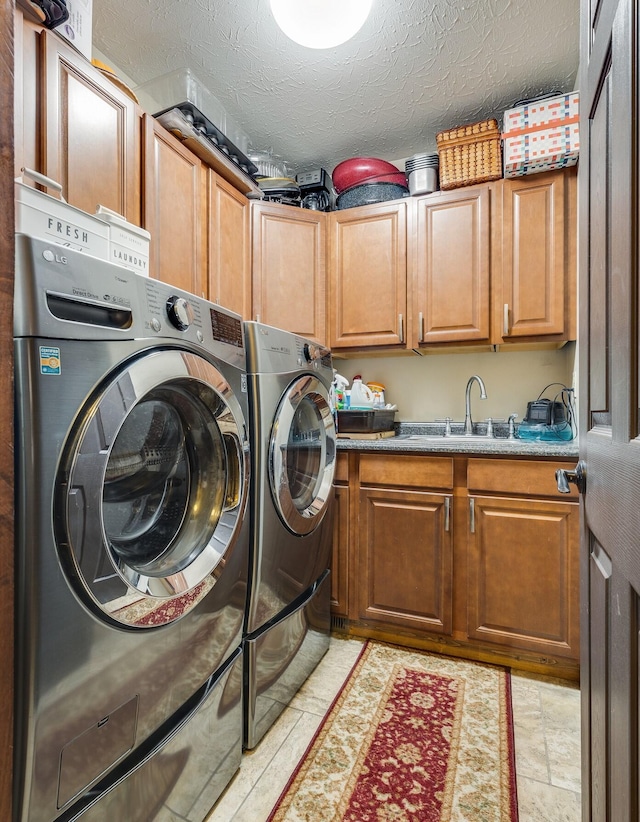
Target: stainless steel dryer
{"points": [[293, 440], [132, 473]]}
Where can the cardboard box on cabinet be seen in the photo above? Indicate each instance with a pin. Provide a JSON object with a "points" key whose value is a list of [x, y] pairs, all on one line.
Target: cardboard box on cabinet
{"points": [[78, 28], [541, 135]]}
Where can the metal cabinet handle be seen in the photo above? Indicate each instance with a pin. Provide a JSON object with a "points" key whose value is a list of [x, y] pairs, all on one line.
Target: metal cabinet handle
{"points": [[578, 476], [472, 515], [401, 327], [421, 327], [447, 513], [505, 319]]}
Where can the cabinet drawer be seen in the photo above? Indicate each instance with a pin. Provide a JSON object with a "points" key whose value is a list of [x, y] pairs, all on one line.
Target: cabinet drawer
{"points": [[405, 471], [342, 468], [517, 477]]}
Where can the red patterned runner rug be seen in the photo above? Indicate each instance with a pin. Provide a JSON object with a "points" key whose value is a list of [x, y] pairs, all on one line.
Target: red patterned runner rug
{"points": [[412, 737]]}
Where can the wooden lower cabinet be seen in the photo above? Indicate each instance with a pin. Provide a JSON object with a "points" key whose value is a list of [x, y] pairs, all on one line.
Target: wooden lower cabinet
{"points": [[523, 575], [341, 540], [340, 555], [404, 559], [474, 557]]}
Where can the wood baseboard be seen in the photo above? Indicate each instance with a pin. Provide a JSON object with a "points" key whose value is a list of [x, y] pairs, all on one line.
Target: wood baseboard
{"points": [[554, 667]]}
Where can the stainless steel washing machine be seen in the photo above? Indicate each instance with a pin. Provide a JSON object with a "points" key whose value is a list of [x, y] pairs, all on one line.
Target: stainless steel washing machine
{"points": [[293, 440], [132, 476]]}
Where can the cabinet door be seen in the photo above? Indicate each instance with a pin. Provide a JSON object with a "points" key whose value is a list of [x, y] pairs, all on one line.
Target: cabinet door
{"points": [[404, 559], [537, 298], [368, 277], [289, 268], [523, 575], [26, 93], [91, 133], [453, 244], [173, 209], [229, 249], [340, 553]]}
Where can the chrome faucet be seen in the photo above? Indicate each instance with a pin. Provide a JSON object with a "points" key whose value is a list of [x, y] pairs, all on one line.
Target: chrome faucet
{"points": [[468, 424]]}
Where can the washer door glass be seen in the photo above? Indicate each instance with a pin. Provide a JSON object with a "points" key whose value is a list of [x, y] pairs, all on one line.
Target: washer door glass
{"points": [[154, 487], [303, 455]]}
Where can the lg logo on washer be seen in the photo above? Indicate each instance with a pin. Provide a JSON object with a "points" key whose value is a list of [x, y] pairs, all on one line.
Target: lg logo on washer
{"points": [[53, 257]]}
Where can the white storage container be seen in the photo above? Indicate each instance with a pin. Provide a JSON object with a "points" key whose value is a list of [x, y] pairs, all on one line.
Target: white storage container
{"points": [[178, 87], [48, 218], [128, 243]]}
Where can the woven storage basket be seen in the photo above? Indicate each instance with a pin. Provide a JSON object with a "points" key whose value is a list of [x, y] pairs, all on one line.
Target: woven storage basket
{"points": [[469, 154]]}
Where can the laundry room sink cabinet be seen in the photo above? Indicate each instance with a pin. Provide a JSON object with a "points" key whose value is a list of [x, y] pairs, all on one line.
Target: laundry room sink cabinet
{"points": [[471, 556]]}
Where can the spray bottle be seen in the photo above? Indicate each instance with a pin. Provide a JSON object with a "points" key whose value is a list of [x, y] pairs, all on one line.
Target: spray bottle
{"points": [[337, 393]]}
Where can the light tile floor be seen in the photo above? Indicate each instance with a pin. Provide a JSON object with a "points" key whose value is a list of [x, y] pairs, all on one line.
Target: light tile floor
{"points": [[547, 739]]}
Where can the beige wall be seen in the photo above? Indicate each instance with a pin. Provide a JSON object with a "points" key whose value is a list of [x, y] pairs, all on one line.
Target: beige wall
{"points": [[433, 386]]}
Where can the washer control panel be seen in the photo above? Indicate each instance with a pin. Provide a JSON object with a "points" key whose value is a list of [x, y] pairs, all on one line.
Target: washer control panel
{"points": [[67, 294]]}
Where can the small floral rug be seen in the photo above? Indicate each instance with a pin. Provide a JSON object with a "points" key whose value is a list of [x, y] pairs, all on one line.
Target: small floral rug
{"points": [[412, 737]]}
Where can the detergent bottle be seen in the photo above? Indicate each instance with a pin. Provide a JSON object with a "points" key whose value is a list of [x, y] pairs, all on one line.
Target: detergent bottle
{"points": [[361, 394]]}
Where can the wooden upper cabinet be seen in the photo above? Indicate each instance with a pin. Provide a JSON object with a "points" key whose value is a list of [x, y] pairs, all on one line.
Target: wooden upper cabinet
{"points": [[453, 253], [229, 257], [368, 277], [174, 209], [26, 93], [537, 258], [91, 133], [289, 269]]}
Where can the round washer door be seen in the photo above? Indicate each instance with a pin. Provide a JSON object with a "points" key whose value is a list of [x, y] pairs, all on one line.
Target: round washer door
{"points": [[152, 488], [302, 455]]}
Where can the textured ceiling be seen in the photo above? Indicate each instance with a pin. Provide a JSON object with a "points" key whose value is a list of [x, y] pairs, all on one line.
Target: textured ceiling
{"points": [[415, 68]]}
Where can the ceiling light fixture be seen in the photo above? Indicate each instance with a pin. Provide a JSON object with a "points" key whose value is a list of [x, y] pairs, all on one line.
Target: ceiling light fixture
{"points": [[320, 24]]}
